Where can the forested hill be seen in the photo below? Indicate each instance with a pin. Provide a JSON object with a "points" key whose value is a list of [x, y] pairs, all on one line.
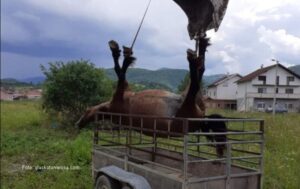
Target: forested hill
{"points": [[167, 77], [11, 82], [295, 69], [164, 78], [171, 78]]}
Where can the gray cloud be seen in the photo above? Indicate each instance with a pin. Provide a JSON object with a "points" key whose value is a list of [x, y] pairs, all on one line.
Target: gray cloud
{"points": [[252, 33]]}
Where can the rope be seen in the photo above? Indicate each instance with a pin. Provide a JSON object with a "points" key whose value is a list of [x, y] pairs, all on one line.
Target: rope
{"points": [[138, 31]]}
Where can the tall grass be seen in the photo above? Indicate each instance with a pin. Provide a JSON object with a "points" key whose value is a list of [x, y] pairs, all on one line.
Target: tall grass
{"points": [[282, 148], [27, 141], [27, 138]]}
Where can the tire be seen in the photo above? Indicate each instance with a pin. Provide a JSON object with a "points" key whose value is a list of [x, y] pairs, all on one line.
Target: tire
{"points": [[126, 187], [105, 182]]}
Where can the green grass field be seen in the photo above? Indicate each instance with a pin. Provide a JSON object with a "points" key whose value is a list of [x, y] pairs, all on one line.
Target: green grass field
{"points": [[29, 139]]}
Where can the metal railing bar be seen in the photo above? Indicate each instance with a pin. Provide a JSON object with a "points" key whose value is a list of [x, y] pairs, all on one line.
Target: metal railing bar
{"points": [[197, 180], [169, 144], [229, 142], [245, 161], [246, 157], [223, 120], [244, 167], [165, 132], [156, 164], [97, 147], [203, 152], [180, 119], [181, 144], [245, 151], [227, 133], [157, 153], [206, 160], [142, 116]]}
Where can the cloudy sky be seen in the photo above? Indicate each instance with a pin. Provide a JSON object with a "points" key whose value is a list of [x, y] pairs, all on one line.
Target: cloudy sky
{"points": [[35, 32]]}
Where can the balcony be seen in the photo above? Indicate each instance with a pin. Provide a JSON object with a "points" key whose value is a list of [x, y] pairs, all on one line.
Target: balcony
{"points": [[272, 85], [271, 95]]}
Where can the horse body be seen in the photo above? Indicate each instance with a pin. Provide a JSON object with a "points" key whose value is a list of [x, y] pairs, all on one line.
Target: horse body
{"points": [[157, 103]]}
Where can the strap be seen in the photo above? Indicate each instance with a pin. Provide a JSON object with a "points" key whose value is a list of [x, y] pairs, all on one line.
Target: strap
{"points": [[138, 31]]}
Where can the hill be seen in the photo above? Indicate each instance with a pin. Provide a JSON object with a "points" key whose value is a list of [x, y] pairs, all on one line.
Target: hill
{"points": [[11, 82], [170, 78], [164, 78], [209, 79], [295, 69], [34, 80]]}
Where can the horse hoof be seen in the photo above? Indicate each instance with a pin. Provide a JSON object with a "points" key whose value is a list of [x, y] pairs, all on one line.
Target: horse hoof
{"points": [[113, 45]]}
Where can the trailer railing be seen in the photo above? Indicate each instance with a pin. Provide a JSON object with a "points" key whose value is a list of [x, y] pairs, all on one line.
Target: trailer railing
{"points": [[182, 151]]}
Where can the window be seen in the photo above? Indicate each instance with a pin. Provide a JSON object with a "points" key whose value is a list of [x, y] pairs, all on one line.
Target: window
{"points": [[262, 78], [261, 105], [289, 91], [289, 79], [262, 90], [289, 106], [277, 80]]}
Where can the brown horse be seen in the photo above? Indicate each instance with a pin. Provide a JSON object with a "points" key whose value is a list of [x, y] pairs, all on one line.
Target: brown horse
{"points": [[158, 102]]}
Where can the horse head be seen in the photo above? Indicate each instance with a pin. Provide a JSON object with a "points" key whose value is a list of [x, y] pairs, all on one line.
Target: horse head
{"points": [[90, 113]]}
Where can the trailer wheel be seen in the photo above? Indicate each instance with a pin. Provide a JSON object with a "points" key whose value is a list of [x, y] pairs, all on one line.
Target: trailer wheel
{"points": [[126, 187], [105, 182]]}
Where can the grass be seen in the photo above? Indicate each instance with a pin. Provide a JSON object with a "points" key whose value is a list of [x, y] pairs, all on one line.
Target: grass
{"points": [[282, 151], [28, 138]]}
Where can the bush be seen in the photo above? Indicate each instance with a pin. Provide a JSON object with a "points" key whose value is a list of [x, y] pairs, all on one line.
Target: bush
{"points": [[70, 88]]}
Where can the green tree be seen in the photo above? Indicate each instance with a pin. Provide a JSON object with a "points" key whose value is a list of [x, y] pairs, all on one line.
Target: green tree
{"points": [[185, 82], [71, 87]]}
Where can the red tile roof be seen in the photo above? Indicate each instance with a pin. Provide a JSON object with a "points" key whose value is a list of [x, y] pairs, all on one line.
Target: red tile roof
{"points": [[223, 78], [260, 71]]}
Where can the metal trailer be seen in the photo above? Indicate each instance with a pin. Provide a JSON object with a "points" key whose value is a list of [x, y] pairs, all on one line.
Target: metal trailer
{"points": [[124, 157]]}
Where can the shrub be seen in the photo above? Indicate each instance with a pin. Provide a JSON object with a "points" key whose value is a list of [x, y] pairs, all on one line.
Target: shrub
{"points": [[70, 88]]}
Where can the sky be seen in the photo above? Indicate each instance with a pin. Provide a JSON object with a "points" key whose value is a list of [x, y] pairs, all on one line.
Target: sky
{"points": [[35, 32]]}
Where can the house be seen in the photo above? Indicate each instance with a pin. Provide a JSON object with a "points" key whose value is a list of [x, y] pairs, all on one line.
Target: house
{"points": [[222, 93], [257, 90], [34, 94], [6, 96]]}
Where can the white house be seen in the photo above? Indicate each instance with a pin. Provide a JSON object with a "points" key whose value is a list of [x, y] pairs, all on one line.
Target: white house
{"points": [[222, 93], [257, 90]]}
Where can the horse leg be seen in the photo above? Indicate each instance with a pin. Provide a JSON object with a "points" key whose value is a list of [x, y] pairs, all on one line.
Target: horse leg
{"points": [[114, 47], [197, 67], [194, 63], [128, 60], [218, 127], [203, 44]]}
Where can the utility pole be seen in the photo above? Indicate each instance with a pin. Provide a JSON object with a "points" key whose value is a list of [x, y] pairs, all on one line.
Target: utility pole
{"points": [[275, 88]]}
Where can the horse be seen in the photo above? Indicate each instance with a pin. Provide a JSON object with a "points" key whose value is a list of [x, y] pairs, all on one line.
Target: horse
{"points": [[160, 103]]}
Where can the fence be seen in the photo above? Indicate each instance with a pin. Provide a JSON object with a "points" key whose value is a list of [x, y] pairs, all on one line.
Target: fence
{"points": [[168, 143]]}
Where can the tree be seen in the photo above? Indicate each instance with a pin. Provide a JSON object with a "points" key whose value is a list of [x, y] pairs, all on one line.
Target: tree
{"points": [[185, 82], [70, 88]]}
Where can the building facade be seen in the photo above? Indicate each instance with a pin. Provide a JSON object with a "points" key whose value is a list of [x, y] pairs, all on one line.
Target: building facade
{"points": [[259, 90], [223, 92]]}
